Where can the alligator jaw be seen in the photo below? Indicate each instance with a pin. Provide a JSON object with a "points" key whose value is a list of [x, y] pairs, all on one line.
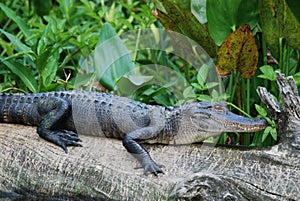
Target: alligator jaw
{"points": [[216, 118], [236, 123]]}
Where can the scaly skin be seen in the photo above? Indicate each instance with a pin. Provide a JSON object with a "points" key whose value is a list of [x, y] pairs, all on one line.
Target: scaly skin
{"points": [[60, 116]]}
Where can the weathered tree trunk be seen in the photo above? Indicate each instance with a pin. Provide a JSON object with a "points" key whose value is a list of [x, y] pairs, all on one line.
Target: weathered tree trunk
{"points": [[102, 169]]}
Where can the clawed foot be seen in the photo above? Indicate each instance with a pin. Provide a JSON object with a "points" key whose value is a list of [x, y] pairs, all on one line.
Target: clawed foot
{"points": [[151, 166], [61, 138], [67, 138]]}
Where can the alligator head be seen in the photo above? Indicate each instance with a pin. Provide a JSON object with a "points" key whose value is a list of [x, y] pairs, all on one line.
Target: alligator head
{"points": [[205, 119]]}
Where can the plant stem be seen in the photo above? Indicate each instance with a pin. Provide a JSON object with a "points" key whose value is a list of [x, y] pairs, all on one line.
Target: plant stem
{"points": [[282, 53], [239, 109], [246, 138], [238, 89], [248, 91]]}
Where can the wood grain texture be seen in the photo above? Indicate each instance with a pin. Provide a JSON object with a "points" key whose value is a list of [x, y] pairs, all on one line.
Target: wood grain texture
{"points": [[102, 169]]}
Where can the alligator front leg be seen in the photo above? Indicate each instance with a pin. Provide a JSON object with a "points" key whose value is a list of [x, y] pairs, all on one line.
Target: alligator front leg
{"points": [[133, 147], [53, 111]]}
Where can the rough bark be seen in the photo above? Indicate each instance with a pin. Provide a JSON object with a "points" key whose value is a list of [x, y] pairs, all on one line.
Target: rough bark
{"points": [[102, 169], [287, 116]]}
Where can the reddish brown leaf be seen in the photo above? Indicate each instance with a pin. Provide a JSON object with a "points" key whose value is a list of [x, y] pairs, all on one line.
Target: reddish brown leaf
{"points": [[238, 52]]}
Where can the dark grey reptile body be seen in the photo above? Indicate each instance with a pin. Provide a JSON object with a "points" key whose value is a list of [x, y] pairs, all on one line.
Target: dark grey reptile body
{"points": [[59, 116], [23, 109]]}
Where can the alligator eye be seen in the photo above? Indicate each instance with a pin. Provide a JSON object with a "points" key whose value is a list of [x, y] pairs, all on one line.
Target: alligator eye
{"points": [[219, 108]]}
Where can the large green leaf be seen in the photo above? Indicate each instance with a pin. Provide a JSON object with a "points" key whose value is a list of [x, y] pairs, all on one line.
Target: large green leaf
{"points": [[223, 16], [176, 15], [112, 58], [295, 8], [17, 19], [23, 73], [278, 21], [21, 47], [48, 73]]}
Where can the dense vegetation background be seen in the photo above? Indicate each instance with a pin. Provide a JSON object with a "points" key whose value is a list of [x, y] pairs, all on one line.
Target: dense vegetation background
{"points": [[45, 45]]}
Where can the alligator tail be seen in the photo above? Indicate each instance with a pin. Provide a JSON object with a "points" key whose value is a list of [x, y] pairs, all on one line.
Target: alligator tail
{"points": [[19, 109]]}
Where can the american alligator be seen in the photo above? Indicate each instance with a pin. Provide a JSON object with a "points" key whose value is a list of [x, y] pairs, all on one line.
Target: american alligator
{"points": [[59, 116]]}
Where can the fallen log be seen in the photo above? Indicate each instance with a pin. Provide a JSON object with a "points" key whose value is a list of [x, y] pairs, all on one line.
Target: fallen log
{"points": [[102, 170]]}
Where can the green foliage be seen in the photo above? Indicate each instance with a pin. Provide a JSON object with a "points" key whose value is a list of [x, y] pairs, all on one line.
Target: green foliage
{"points": [[278, 21], [176, 15], [42, 7], [268, 73], [270, 131], [23, 73], [52, 45], [153, 94], [297, 78], [110, 48], [198, 8], [295, 8], [224, 16], [205, 89], [17, 19], [41, 46]]}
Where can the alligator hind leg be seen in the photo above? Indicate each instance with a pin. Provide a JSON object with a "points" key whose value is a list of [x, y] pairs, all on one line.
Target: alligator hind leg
{"points": [[54, 110]]}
